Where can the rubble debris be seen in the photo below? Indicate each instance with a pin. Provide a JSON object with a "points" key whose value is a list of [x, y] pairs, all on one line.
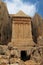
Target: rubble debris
{"points": [[31, 62], [36, 55], [40, 41], [2, 60], [16, 61]]}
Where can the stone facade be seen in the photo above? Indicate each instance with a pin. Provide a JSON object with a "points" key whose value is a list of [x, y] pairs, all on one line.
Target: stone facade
{"points": [[18, 32], [22, 32]]}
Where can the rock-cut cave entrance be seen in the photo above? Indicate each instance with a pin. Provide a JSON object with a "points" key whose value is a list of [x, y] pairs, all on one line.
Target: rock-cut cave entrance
{"points": [[24, 56]]}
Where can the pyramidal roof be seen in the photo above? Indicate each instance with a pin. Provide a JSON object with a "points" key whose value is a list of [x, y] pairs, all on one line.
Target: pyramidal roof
{"points": [[20, 14]]}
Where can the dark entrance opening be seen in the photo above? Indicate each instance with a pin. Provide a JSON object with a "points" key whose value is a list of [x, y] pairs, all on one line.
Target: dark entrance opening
{"points": [[24, 56]]}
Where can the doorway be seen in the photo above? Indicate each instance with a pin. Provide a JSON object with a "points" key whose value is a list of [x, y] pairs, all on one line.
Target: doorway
{"points": [[24, 56]]}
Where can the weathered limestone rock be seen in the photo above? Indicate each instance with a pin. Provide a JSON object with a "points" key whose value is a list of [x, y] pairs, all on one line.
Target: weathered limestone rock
{"points": [[10, 46], [31, 62], [37, 55], [14, 53], [40, 41], [3, 60], [5, 24], [3, 49], [37, 27], [41, 62], [16, 61], [13, 50], [7, 53], [4, 64]]}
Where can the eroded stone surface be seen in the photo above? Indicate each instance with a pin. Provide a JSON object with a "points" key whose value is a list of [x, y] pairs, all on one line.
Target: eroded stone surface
{"points": [[5, 24]]}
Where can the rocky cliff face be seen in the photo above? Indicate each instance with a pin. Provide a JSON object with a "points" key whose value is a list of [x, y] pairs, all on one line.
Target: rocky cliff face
{"points": [[37, 27], [5, 24]]}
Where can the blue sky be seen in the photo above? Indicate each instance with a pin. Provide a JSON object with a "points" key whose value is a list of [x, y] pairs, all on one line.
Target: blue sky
{"points": [[30, 7]]}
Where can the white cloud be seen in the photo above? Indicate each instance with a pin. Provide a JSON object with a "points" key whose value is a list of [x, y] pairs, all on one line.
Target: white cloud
{"points": [[16, 5]]}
